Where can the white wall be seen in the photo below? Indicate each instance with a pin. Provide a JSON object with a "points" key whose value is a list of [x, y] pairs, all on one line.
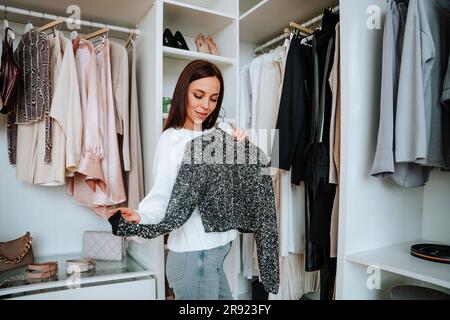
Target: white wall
{"points": [[436, 208], [54, 221], [246, 53]]}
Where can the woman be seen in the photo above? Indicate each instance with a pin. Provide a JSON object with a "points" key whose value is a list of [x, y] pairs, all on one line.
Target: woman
{"points": [[195, 259]]}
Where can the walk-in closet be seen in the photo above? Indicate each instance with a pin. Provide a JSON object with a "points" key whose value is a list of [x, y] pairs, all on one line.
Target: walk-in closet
{"points": [[360, 246]]}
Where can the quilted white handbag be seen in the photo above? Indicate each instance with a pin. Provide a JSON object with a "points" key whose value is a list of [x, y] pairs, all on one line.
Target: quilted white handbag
{"points": [[101, 245]]}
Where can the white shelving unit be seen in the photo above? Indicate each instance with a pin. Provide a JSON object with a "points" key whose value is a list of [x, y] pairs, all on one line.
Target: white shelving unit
{"points": [[55, 222], [218, 19], [217, 7], [246, 7], [184, 55], [163, 65], [398, 260], [378, 220]]}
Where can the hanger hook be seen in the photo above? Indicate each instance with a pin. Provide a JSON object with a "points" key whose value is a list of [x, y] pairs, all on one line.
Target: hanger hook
{"points": [[28, 16], [224, 116]]}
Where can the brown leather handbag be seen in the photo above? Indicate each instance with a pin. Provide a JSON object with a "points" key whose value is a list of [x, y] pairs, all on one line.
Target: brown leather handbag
{"points": [[9, 75], [16, 253]]}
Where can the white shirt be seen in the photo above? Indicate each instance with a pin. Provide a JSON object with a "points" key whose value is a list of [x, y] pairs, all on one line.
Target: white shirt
{"points": [[167, 161]]}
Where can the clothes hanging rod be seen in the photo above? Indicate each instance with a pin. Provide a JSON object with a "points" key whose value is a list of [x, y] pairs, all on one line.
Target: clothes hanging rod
{"points": [[36, 14], [272, 42], [286, 32]]}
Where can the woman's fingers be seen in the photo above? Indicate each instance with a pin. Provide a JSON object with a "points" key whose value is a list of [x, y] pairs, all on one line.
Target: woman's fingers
{"points": [[124, 211], [114, 211], [239, 134]]}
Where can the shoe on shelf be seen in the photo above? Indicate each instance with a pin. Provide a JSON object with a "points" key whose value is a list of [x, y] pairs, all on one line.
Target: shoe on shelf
{"points": [[201, 44], [180, 43], [169, 39], [212, 46]]}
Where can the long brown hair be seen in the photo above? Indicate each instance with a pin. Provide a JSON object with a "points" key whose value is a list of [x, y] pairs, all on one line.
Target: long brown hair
{"points": [[194, 71]]}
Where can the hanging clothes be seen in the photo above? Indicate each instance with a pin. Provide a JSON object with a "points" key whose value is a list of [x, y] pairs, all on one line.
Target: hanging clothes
{"points": [[135, 177], [292, 216], [407, 175], [120, 88], [261, 84], [420, 118], [66, 106], [98, 182], [320, 194], [9, 74], [335, 142], [445, 99], [446, 88], [294, 280], [92, 144], [292, 125], [33, 92], [265, 106], [31, 165], [66, 127]]}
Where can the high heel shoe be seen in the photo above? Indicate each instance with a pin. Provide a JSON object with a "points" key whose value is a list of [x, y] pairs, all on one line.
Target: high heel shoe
{"points": [[168, 39], [201, 44], [180, 42], [212, 46]]}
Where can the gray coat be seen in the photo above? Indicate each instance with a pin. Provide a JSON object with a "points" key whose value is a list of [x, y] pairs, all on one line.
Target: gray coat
{"points": [[231, 185], [407, 175], [446, 88], [418, 127]]}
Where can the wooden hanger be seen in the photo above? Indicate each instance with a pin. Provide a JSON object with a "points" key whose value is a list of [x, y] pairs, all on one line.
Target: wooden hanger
{"points": [[131, 37], [50, 25], [305, 30], [96, 33]]}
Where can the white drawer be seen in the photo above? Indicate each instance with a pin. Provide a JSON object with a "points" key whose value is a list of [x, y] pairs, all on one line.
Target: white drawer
{"points": [[136, 289]]}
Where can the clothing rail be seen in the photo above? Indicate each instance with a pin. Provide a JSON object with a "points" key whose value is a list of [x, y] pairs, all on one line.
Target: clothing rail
{"points": [[272, 42], [286, 33], [36, 14]]}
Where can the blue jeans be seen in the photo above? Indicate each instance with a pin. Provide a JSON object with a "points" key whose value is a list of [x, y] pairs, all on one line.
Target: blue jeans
{"points": [[199, 275]]}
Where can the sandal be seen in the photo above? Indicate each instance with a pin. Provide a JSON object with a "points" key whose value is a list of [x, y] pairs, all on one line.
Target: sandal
{"points": [[212, 46], [201, 44]]}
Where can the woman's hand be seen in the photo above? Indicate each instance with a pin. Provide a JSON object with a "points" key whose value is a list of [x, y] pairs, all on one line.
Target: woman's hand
{"points": [[239, 134], [130, 215]]}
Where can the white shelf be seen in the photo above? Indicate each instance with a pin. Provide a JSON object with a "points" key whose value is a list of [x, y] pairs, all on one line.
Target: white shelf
{"points": [[248, 6], [397, 259], [191, 20], [106, 271], [192, 55]]}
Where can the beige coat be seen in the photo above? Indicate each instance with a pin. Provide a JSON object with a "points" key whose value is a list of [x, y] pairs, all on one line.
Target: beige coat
{"points": [[120, 85]]}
